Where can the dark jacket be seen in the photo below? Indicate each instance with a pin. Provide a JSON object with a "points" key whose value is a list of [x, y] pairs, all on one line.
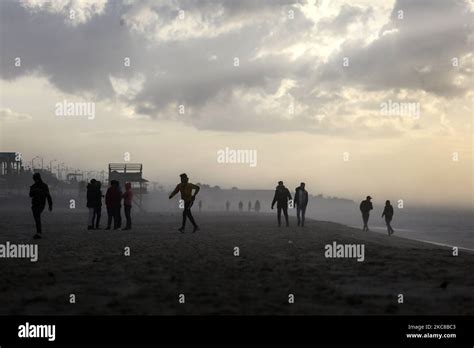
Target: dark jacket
{"points": [[39, 193], [299, 191], [128, 195], [98, 197], [94, 196], [388, 212], [282, 195], [113, 197], [366, 206]]}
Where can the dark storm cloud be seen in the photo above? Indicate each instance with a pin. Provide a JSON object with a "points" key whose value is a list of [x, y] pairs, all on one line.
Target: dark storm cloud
{"points": [[416, 51], [81, 58], [190, 62], [75, 59]]}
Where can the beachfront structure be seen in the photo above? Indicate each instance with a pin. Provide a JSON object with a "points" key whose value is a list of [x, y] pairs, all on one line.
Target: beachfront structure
{"points": [[132, 173]]}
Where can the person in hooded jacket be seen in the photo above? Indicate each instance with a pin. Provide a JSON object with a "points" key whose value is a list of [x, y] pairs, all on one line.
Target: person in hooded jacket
{"points": [[112, 202]]}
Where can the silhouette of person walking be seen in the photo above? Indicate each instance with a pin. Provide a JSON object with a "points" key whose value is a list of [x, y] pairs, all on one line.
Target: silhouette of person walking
{"points": [[365, 208], [127, 205], [112, 201], [39, 193], [249, 206], [241, 206], [200, 205], [388, 213], [227, 205], [257, 206], [301, 201], [186, 189], [282, 195]]}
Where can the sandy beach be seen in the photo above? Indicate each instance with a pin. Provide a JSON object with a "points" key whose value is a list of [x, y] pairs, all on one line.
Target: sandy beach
{"points": [[273, 263]]}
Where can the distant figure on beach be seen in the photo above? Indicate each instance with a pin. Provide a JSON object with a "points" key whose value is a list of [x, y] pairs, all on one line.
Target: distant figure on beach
{"points": [[39, 193], [257, 206], [127, 205], [186, 189], [241, 206], [91, 203], [200, 206], [365, 208], [301, 201], [112, 202], [249, 206], [282, 196], [227, 206], [388, 213], [98, 207]]}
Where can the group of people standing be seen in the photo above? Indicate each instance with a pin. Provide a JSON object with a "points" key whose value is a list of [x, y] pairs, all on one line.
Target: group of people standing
{"points": [[113, 203]]}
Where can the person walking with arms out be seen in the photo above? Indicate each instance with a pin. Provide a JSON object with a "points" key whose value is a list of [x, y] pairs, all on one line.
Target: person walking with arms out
{"points": [[186, 190]]}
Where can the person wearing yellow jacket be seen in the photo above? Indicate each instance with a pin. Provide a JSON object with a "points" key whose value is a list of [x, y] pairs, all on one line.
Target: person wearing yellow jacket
{"points": [[186, 190]]}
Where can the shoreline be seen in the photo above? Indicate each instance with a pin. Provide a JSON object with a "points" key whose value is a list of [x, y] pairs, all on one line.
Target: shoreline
{"points": [[379, 229]]}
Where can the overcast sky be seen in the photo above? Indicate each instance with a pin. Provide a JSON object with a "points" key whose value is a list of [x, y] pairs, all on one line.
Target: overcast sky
{"points": [[308, 89]]}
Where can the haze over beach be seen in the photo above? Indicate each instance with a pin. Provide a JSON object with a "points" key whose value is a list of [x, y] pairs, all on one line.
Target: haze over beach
{"points": [[318, 91]]}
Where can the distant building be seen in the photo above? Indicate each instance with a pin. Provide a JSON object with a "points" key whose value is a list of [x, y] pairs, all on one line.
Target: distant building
{"points": [[10, 163]]}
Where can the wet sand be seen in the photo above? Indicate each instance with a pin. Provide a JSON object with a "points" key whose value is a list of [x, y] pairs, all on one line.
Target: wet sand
{"points": [[273, 263]]}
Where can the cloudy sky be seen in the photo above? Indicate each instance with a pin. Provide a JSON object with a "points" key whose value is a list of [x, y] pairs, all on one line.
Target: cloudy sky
{"points": [[303, 83]]}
